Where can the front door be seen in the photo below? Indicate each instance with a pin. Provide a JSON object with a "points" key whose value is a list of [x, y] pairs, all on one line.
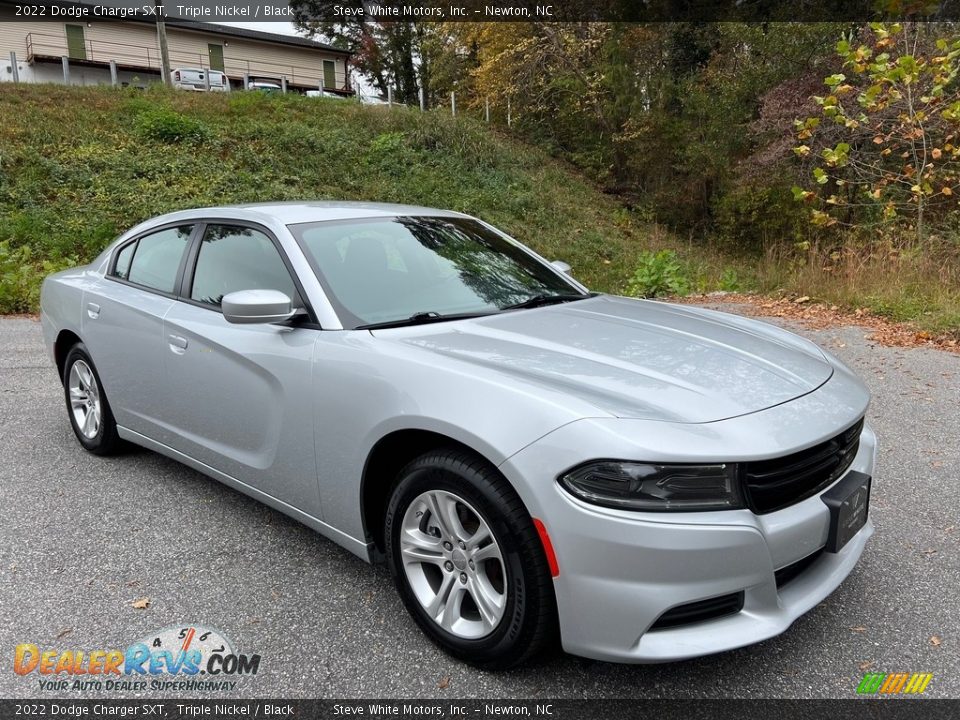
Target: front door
{"points": [[240, 397], [329, 75], [216, 56], [76, 46]]}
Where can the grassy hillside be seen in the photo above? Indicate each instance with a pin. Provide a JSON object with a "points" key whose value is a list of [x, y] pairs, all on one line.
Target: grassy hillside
{"points": [[80, 165]]}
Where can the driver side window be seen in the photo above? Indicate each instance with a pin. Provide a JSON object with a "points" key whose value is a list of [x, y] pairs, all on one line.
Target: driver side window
{"points": [[236, 258]]}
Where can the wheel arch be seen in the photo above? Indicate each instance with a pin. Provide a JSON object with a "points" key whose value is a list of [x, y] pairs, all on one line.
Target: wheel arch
{"points": [[66, 339], [384, 461]]}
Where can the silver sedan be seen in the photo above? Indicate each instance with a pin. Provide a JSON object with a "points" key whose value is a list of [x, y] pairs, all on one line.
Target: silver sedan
{"points": [[644, 482]]}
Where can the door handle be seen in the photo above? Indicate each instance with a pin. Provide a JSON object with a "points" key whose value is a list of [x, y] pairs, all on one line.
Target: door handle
{"points": [[177, 344], [93, 310]]}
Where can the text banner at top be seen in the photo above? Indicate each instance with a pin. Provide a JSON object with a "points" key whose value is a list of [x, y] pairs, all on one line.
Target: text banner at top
{"points": [[484, 10]]}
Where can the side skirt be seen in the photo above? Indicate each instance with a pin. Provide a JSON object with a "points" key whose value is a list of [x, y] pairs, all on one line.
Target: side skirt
{"points": [[360, 549]]}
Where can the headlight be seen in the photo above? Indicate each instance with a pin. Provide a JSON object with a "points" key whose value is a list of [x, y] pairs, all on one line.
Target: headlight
{"points": [[652, 487]]}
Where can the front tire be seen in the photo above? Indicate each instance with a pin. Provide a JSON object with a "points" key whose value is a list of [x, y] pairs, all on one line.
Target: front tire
{"points": [[468, 562], [87, 407]]}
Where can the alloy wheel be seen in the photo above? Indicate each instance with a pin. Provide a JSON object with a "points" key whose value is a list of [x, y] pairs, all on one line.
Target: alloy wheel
{"points": [[84, 399], [454, 564]]}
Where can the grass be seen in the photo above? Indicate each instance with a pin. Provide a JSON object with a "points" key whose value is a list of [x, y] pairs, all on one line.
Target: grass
{"points": [[896, 279], [78, 166]]}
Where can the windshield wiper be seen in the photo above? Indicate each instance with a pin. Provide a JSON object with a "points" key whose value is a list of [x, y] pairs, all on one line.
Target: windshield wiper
{"points": [[420, 318], [541, 300]]}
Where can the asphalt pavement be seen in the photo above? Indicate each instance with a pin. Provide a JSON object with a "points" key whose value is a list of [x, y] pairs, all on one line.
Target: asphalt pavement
{"points": [[83, 538]]}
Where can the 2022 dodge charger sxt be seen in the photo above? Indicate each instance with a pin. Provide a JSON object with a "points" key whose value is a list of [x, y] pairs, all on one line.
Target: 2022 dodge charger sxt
{"points": [[654, 482]]}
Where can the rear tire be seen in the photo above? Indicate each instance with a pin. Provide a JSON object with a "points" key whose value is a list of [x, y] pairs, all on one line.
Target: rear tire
{"points": [[87, 406], [468, 562]]}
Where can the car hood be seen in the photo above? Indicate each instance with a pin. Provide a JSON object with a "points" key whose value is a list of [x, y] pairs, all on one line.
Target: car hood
{"points": [[636, 359]]}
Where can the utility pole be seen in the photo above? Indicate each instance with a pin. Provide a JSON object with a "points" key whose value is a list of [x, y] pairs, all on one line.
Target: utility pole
{"points": [[164, 50]]}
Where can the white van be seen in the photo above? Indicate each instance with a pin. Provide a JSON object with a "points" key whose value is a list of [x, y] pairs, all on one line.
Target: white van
{"points": [[195, 79]]}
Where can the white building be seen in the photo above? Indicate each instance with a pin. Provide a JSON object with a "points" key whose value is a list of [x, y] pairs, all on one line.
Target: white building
{"points": [[132, 46]]}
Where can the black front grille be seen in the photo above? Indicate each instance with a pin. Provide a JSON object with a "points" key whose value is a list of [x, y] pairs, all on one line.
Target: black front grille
{"points": [[700, 611], [774, 484]]}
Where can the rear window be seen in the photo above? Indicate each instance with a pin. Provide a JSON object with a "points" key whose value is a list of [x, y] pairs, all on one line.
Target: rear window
{"points": [[122, 269], [154, 260]]}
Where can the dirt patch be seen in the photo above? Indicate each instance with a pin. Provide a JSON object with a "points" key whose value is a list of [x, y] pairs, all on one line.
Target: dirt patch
{"points": [[819, 316]]}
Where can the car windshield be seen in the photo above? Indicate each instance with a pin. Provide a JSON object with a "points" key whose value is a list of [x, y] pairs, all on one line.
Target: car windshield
{"points": [[399, 270]]}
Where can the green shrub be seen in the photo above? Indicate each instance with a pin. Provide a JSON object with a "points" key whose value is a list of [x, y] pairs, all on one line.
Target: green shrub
{"points": [[751, 218], [659, 273], [168, 126], [388, 145], [730, 281], [21, 274]]}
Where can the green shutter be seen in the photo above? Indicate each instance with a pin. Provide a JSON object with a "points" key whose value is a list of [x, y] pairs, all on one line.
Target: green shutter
{"points": [[76, 47], [216, 56], [330, 74]]}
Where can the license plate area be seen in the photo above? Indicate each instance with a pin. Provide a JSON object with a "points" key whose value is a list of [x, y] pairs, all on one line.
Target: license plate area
{"points": [[849, 502]]}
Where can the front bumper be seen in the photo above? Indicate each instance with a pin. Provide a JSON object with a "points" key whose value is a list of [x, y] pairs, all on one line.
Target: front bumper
{"points": [[620, 570]]}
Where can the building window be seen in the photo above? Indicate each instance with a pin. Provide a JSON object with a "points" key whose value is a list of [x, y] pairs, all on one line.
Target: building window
{"points": [[329, 75], [216, 56], [76, 45]]}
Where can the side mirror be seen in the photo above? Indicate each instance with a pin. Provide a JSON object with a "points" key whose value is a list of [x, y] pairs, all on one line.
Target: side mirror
{"points": [[248, 307], [561, 266]]}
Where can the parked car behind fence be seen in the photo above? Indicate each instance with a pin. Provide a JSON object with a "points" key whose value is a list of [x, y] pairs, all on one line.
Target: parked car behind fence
{"points": [[200, 79]]}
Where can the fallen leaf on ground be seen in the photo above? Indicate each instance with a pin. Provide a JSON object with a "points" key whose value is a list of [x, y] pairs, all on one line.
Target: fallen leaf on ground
{"points": [[64, 633], [866, 665], [801, 300], [444, 682], [141, 604], [858, 628], [820, 316], [935, 640]]}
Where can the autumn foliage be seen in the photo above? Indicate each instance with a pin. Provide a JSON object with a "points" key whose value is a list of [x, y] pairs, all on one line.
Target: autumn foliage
{"points": [[885, 145]]}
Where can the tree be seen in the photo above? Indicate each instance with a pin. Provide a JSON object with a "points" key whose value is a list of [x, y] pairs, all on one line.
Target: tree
{"points": [[885, 144], [659, 113], [388, 53]]}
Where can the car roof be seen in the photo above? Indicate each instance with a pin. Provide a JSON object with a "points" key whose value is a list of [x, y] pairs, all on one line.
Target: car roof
{"points": [[291, 213]]}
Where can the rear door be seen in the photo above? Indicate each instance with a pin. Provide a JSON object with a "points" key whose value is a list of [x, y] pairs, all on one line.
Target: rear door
{"points": [[240, 395], [123, 325]]}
